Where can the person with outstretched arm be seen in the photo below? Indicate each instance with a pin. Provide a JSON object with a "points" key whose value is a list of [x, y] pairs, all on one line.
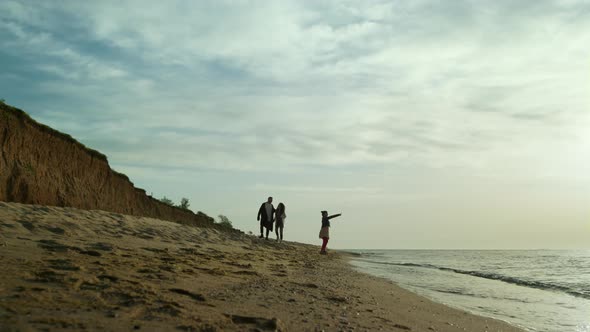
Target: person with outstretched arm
{"points": [[266, 217], [325, 231]]}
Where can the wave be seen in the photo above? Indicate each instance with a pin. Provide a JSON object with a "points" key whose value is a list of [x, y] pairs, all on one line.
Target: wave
{"points": [[495, 276]]}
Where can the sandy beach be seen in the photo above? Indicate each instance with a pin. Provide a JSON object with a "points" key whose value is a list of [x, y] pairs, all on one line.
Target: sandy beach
{"points": [[66, 269]]}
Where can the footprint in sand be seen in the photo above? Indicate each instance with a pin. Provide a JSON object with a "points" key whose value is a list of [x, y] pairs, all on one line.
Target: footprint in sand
{"points": [[48, 276], [55, 230], [402, 327], [5, 225], [27, 224], [257, 323], [190, 328], [54, 246], [109, 278], [236, 264], [156, 250], [147, 270], [308, 285], [194, 296], [90, 253], [63, 264], [101, 246], [92, 286], [245, 272], [168, 308], [122, 298], [339, 299], [144, 236]]}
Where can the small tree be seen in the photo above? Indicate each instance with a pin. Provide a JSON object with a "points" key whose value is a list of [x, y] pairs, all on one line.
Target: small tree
{"points": [[166, 201], [184, 204], [224, 221]]}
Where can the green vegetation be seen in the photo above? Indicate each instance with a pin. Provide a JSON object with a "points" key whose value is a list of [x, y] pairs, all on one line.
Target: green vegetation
{"points": [[225, 222], [184, 204], [167, 201]]}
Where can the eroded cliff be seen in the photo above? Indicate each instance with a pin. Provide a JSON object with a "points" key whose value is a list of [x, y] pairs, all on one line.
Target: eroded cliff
{"points": [[39, 165]]}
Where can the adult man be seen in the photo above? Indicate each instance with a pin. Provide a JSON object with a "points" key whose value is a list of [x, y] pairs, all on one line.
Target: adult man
{"points": [[266, 216]]}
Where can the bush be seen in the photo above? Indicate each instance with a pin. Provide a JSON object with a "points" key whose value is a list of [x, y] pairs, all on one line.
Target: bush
{"points": [[184, 204], [166, 201], [224, 221]]}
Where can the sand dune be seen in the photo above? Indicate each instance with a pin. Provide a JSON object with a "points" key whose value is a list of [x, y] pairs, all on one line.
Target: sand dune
{"points": [[70, 270]]}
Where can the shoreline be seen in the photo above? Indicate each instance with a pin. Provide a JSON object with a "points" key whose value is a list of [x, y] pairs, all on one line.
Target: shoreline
{"points": [[354, 255], [75, 270]]}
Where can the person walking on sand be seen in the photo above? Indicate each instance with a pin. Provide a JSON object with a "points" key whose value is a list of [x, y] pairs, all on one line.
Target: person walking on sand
{"points": [[266, 216], [325, 231], [280, 217]]}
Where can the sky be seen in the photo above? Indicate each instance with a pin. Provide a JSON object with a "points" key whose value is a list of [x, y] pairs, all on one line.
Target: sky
{"points": [[428, 124]]}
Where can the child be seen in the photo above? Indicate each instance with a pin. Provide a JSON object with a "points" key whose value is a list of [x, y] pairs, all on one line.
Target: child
{"points": [[325, 231]]}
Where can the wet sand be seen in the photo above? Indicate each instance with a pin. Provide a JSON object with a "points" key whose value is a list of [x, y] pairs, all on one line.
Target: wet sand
{"points": [[65, 269]]}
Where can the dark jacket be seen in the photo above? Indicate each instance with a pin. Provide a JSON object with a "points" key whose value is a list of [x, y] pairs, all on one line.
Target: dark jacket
{"points": [[262, 214], [326, 220]]}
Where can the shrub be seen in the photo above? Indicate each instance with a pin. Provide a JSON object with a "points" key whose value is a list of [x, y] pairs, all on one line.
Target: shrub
{"points": [[184, 204], [166, 201], [224, 221]]}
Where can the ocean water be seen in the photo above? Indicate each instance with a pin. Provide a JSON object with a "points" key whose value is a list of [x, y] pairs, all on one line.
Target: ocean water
{"points": [[538, 290]]}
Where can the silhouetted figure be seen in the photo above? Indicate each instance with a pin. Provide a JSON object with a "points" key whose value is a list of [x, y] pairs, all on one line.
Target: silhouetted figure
{"points": [[266, 217], [280, 219], [325, 231]]}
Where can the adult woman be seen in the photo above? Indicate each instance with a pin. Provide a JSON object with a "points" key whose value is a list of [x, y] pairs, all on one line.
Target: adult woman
{"points": [[280, 217]]}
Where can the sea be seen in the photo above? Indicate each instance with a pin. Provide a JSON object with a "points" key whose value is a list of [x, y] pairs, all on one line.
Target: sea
{"points": [[537, 290]]}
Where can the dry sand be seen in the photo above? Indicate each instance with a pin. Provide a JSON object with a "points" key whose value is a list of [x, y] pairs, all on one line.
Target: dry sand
{"points": [[65, 269]]}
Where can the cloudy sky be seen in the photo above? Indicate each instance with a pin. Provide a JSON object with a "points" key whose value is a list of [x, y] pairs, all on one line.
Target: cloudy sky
{"points": [[428, 124]]}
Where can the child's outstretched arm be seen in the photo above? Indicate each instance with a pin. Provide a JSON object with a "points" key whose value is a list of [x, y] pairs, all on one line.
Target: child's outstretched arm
{"points": [[335, 215]]}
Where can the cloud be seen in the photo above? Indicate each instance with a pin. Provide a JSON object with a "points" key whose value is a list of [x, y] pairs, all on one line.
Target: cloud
{"points": [[245, 84], [405, 111]]}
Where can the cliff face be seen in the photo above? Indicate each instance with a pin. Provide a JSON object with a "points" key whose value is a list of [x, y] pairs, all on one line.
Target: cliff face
{"points": [[39, 165]]}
